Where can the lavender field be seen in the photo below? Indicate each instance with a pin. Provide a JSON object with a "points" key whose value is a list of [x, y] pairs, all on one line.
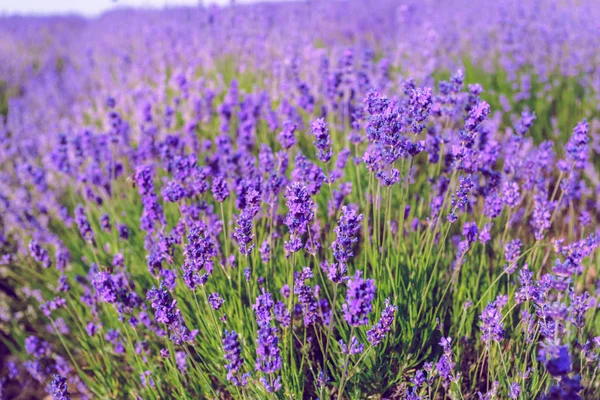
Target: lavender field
{"points": [[302, 200]]}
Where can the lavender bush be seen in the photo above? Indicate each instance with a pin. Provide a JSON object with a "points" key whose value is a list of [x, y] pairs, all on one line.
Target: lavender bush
{"points": [[332, 200]]}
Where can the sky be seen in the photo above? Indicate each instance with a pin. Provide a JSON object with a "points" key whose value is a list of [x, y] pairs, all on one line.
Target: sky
{"points": [[89, 7]]}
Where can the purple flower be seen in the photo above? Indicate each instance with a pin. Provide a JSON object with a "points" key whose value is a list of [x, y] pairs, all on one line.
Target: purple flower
{"points": [[579, 306], [420, 101], [485, 235], [152, 213], [233, 355], [13, 370], [585, 218], [166, 312], [510, 194], [556, 358], [282, 315], [146, 379], [376, 334], [493, 205], [336, 272], [388, 178], [37, 369], [105, 223], [285, 291], [181, 361], [118, 260], [470, 231], [306, 297], [526, 121], [347, 231], [308, 173], [62, 284], [419, 379], [199, 252], [197, 183], [286, 137], [91, 329], [106, 287], [322, 141], [220, 189], [59, 389], [123, 231], [445, 365], [359, 300], [243, 232], [173, 192], [262, 307], [477, 115], [512, 252], [541, 215], [215, 301], [37, 347], [265, 252], [355, 346], [52, 305], [300, 214], [164, 306], [144, 180], [577, 151], [39, 254], [63, 257], [84, 225], [491, 323], [268, 356], [461, 198]]}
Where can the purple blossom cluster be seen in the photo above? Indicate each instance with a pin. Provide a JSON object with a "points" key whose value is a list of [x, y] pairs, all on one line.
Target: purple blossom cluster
{"points": [[300, 214], [233, 351], [359, 300], [269, 359]]}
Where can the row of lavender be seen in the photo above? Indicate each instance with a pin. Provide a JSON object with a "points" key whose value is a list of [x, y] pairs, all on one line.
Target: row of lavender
{"points": [[304, 200]]}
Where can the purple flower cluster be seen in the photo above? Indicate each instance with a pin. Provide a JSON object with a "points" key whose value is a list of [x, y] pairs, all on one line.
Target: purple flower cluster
{"points": [[215, 301], [166, 312], [322, 141], [58, 388], [300, 214], [268, 355], [199, 253], [233, 355], [286, 137], [491, 323], [220, 189], [243, 232], [39, 254], [577, 149], [512, 252], [84, 225], [306, 297], [359, 300], [379, 331], [347, 231]]}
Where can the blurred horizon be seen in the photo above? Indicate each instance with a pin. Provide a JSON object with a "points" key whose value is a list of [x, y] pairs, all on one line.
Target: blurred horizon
{"points": [[93, 8]]}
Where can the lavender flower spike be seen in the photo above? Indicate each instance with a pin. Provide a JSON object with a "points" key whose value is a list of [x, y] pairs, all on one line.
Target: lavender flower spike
{"points": [[359, 300], [233, 354], [59, 389], [376, 334], [322, 141]]}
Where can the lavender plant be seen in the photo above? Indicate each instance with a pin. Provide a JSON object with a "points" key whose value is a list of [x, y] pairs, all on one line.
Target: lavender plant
{"points": [[254, 202]]}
